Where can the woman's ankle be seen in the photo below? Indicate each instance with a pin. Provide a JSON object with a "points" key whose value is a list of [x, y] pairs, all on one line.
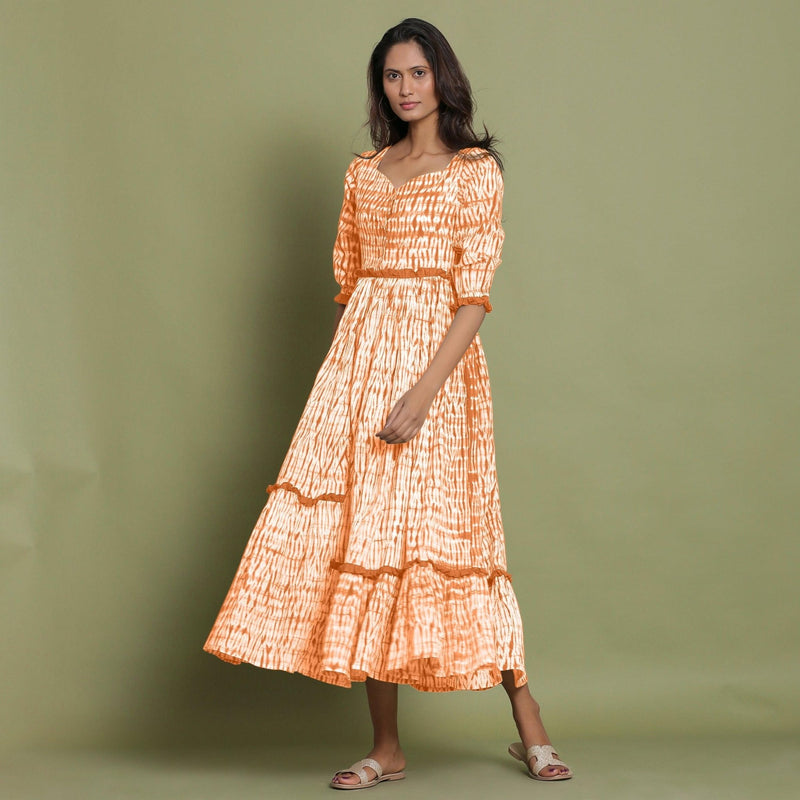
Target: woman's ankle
{"points": [[387, 745]]}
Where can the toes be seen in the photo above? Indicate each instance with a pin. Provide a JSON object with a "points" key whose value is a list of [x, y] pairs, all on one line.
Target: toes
{"points": [[351, 777], [548, 772]]}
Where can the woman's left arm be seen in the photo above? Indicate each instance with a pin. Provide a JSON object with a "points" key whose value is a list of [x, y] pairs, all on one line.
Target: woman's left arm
{"points": [[479, 237], [412, 408]]}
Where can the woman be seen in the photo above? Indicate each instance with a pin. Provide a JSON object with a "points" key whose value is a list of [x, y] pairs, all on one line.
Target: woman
{"points": [[380, 555]]}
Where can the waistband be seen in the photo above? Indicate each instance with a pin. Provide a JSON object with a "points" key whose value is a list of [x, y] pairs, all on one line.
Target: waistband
{"points": [[422, 272]]}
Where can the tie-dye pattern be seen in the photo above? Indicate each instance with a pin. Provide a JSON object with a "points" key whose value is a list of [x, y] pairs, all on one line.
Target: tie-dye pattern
{"points": [[377, 559]]}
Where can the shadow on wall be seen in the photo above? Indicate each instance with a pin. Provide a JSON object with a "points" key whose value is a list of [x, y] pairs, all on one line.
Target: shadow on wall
{"points": [[192, 697]]}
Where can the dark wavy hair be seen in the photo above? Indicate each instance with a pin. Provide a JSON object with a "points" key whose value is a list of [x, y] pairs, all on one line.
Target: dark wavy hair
{"points": [[456, 101]]}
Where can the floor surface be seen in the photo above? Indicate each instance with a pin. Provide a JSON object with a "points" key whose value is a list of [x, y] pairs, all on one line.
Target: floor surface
{"points": [[646, 769]]}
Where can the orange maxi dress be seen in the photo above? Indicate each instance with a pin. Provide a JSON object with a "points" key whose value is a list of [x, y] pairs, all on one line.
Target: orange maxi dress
{"points": [[376, 559]]}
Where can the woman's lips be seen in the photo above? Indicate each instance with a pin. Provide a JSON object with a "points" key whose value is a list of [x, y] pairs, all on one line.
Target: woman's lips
{"points": [[408, 106]]}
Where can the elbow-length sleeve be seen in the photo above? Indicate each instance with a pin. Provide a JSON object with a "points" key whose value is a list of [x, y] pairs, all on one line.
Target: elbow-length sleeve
{"points": [[347, 248], [479, 234]]}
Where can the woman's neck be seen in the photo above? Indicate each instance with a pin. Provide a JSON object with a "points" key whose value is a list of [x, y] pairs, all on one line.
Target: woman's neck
{"points": [[422, 138]]}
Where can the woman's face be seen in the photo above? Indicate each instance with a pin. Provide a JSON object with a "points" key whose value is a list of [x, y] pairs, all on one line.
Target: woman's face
{"points": [[408, 82]]}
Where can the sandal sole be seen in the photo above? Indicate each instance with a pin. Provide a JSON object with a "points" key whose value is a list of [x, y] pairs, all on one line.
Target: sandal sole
{"points": [[392, 776]]}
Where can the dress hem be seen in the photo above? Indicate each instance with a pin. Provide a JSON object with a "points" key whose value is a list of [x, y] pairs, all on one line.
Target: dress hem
{"points": [[345, 681]]}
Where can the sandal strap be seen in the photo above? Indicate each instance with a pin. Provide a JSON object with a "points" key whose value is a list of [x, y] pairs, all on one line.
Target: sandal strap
{"points": [[544, 757], [358, 769]]}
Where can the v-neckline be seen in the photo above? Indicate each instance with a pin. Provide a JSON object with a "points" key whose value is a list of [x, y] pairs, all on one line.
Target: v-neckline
{"points": [[416, 177]]}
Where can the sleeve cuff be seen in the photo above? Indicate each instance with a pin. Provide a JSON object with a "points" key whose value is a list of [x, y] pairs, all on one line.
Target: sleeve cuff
{"points": [[479, 300]]}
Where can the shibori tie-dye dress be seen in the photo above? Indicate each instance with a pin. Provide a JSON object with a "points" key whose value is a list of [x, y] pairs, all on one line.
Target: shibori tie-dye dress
{"points": [[376, 559]]}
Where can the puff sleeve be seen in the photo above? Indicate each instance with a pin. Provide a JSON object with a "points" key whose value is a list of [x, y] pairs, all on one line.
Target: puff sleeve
{"points": [[347, 247], [479, 235]]}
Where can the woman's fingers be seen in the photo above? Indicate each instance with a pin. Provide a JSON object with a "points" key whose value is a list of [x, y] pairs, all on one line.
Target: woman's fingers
{"points": [[394, 413], [388, 425], [401, 433], [404, 420]]}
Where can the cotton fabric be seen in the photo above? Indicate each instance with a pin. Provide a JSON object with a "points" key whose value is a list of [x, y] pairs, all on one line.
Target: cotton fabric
{"points": [[376, 559]]}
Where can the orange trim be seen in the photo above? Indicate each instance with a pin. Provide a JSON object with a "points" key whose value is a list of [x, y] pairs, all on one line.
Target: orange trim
{"points": [[483, 300], [342, 298], [306, 501], [423, 272], [451, 572]]}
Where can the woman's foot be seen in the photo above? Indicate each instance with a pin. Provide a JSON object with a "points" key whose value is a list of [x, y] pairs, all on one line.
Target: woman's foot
{"points": [[549, 771], [529, 722], [391, 759]]}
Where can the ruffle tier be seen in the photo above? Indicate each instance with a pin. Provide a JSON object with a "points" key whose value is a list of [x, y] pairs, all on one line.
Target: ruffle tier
{"points": [[294, 607]]}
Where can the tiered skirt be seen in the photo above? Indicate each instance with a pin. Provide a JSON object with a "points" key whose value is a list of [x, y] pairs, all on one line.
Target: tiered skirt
{"points": [[382, 560]]}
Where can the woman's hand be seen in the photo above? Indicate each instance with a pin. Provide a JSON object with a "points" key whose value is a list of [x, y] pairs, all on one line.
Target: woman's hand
{"points": [[410, 410], [407, 416]]}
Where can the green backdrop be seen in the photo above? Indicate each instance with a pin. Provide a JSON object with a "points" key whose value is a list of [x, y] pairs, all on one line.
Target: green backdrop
{"points": [[171, 179]]}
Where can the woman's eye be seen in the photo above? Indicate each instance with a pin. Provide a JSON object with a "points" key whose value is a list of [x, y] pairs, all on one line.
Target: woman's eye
{"points": [[420, 72]]}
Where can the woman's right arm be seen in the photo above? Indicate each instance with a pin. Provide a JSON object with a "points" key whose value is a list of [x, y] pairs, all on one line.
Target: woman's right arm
{"points": [[347, 247]]}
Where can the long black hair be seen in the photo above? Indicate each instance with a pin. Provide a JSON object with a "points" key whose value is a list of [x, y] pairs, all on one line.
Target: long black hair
{"points": [[456, 101]]}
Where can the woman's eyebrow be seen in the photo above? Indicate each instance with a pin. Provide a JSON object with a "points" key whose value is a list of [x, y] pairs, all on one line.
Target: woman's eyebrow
{"points": [[419, 66]]}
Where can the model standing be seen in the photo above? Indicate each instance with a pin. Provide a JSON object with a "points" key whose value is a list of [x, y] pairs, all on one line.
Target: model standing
{"points": [[380, 555]]}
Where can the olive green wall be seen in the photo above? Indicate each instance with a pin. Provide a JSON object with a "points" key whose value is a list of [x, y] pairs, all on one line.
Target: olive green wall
{"points": [[171, 179]]}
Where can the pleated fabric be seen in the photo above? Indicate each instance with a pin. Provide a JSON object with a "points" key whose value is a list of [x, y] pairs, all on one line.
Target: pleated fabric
{"points": [[376, 559]]}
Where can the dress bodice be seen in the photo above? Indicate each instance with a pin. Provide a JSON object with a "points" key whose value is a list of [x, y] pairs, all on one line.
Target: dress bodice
{"points": [[441, 223]]}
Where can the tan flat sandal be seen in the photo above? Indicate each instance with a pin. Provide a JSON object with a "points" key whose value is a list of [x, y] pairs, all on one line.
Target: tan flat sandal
{"points": [[545, 757], [365, 782]]}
